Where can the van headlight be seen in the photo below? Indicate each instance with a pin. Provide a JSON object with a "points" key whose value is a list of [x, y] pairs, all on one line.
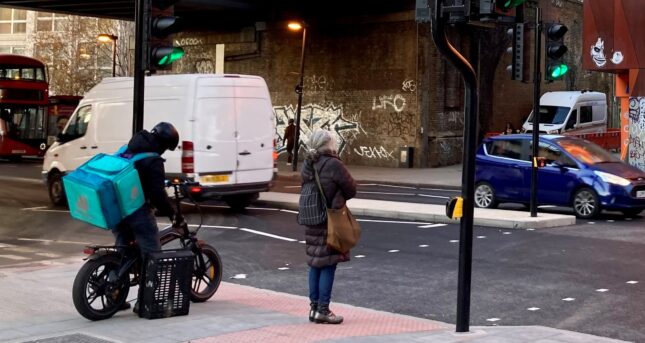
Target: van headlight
{"points": [[611, 178], [552, 132]]}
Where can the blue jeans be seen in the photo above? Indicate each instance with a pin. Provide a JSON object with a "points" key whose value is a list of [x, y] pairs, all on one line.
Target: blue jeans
{"points": [[142, 226], [321, 281]]}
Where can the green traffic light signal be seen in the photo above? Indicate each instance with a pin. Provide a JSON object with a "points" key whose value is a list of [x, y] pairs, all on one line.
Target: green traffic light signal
{"points": [[164, 56], [508, 4], [558, 71]]}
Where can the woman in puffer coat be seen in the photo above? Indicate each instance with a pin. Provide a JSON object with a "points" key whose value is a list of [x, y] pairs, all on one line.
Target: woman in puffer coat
{"points": [[338, 186]]}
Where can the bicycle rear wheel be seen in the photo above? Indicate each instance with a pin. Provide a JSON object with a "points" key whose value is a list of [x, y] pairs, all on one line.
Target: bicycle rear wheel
{"points": [[207, 274], [94, 297]]}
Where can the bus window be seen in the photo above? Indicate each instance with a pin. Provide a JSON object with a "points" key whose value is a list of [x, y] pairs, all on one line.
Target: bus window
{"points": [[28, 73], [40, 74], [29, 122]]}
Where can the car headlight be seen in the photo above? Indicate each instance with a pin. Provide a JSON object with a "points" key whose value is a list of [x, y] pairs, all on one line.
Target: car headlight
{"points": [[552, 132], [611, 178]]}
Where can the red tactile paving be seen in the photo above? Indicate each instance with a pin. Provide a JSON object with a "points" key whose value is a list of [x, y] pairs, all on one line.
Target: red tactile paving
{"points": [[358, 321]]}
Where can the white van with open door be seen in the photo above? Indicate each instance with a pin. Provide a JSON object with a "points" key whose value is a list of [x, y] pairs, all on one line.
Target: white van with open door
{"points": [[225, 122], [571, 112]]}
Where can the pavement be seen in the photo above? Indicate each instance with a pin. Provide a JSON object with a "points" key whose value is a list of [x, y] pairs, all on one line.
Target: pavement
{"points": [[37, 305]]}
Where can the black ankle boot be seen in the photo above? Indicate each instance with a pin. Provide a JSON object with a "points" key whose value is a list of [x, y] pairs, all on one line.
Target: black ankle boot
{"points": [[312, 310], [325, 316]]}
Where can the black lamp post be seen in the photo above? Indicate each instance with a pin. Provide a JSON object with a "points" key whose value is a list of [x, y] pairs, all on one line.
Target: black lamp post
{"points": [[103, 37], [297, 26]]}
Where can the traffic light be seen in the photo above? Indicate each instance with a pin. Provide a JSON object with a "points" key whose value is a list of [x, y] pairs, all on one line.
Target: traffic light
{"points": [[505, 5], [161, 24], [498, 10], [516, 68], [554, 50]]}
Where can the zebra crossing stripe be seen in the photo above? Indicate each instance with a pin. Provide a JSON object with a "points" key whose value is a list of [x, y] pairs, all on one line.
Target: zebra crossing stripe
{"points": [[14, 257]]}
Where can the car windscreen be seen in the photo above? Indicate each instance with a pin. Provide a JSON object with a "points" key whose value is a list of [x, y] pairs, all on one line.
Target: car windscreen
{"points": [[585, 151], [552, 114]]}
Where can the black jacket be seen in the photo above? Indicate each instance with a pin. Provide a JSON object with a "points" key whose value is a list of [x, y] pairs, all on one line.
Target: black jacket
{"points": [[338, 186], [151, 172]]}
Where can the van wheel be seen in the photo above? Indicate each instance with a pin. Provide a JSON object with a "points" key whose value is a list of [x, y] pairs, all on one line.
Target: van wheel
{"points": [[56, 190], [240, 202], [585, 203], [485, 196]]}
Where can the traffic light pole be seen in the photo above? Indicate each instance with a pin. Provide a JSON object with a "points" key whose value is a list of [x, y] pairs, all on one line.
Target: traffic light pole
{"points": [[299, 90], [471, 109], [537, 79], [142, 12]]}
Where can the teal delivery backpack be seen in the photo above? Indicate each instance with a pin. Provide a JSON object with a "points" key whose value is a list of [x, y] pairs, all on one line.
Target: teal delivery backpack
{"points": [[105, 189]]}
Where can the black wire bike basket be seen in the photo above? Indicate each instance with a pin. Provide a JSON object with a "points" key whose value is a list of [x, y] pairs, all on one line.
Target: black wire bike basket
{"points": [[166, 284]]}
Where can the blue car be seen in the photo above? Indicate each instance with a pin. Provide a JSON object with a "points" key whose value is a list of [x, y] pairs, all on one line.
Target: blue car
{"points": [[577, 174]]}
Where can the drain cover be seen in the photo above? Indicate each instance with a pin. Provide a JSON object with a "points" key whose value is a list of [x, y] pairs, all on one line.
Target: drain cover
{"points": [[74, 338]]}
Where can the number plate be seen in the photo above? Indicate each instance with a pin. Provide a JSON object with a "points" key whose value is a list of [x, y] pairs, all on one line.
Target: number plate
{"points": [[640, 194], [214, 178]]}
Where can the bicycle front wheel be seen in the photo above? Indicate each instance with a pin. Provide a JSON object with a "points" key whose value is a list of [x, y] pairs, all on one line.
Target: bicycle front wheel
{"points": [[207, 274]]}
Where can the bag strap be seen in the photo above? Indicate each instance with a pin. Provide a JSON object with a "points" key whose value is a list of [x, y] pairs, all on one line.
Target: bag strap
{"points": [[142, 155], [322, 193]]}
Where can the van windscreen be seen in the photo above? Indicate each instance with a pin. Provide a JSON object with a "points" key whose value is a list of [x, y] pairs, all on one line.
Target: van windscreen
{"points": [[552, 114]]}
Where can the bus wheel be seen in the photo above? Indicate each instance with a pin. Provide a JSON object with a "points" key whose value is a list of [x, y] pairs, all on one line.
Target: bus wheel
{"points": [[56, 191]]}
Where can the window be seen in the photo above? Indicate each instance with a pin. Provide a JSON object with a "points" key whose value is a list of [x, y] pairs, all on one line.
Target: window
{"points": [[13, 21], [78, 123], [24, 122], [505, 148], [50, 22], [586, 114], [554, 154]]}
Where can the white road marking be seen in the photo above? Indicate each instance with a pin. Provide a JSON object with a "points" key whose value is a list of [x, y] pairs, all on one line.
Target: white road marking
{"points": [[591, 223], [283, 268], [454, 241], [632, 282], [46, 254], [492, 319], [569, 299], [394, 186], [53, 241], [238, 276], [391, 221], [366, 184], [433, 196], [42, 210], [14, 257], [610, 221], [303, 242], [602, 290], [205, 226], [289, 211], [628, 219], [440, 190], [423, 246], [481, 237], [393, 250], [292, 186], [506, 233], [2, 245], [533, 308], [269, 235], [387, 193], [263, 208], [530, 229], [359, 256], [33, 208], [431, 225]]}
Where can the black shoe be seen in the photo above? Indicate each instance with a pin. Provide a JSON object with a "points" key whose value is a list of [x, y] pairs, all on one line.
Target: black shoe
{"points": [[312, 310], [325, 316], [126, 305]]}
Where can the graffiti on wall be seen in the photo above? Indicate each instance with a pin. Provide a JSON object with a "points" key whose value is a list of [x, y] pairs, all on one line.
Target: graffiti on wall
{"points": [[375, 152], [385, 102], [318, 83], [409, 85], [637, 132], [315, 116]]}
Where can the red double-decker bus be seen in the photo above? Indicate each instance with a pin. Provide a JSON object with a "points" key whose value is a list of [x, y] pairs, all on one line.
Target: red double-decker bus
{"points": [[24, 100]]}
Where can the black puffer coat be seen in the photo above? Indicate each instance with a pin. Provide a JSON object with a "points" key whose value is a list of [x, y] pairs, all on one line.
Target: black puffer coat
{"points": [[151, 172], [338, 186]]}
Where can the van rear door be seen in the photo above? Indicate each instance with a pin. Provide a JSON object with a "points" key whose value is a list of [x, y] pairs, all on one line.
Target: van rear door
{"points": [[255, 131], [214, 128]]}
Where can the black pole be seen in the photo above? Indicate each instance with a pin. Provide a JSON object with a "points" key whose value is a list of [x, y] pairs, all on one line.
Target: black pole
{"points": [[142, 12], [471, 108], [114, 56], [299, 90], [537, 79]]}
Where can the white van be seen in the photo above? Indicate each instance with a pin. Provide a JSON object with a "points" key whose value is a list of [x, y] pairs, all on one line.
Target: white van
{"points": [[576, 111], [225, 123]]}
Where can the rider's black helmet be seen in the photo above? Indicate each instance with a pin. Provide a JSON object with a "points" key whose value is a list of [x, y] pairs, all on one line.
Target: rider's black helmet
{"points": [[167, 135]]}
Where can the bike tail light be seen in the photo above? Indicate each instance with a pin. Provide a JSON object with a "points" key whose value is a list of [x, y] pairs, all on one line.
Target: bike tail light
{"points": [[187, 158], [89, 251]]}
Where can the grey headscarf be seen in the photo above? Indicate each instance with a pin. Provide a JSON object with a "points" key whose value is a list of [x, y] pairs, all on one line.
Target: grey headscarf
{"points": [[321, 142]]}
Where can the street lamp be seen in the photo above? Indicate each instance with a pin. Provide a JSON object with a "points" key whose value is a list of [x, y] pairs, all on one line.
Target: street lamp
{"points": [[297, 26], [104, 37]]}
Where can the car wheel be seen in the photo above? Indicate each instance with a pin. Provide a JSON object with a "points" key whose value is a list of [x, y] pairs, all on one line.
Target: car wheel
{"points": [[56, 190], [485, 196], [632, 212], [585, 203]]}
